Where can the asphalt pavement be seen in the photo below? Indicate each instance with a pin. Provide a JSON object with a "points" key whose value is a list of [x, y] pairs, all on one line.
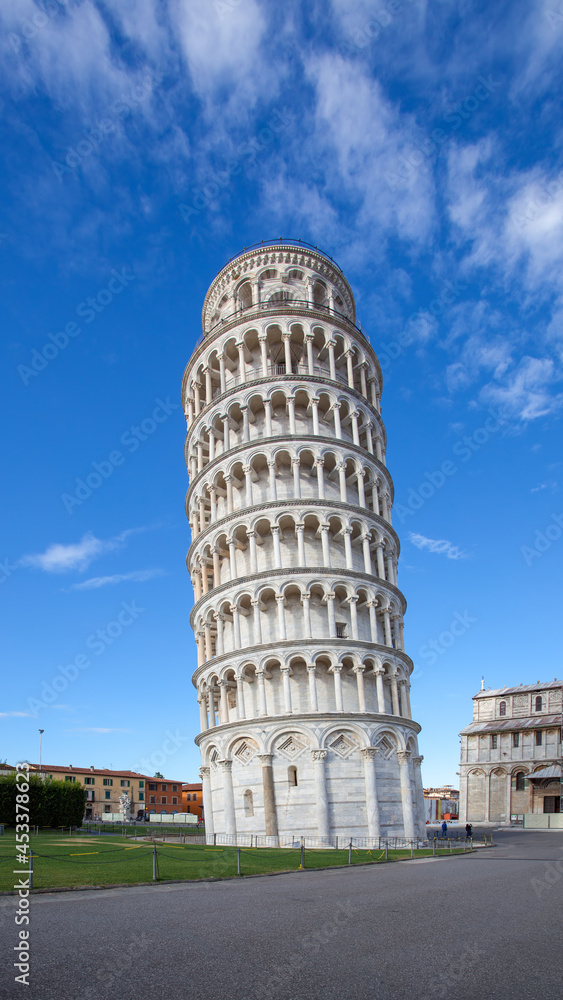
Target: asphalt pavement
{"points": [[485, 925]]}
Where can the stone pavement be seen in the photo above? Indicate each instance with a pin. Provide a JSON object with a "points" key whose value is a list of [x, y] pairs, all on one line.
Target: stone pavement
{"points": [[483, 925]]}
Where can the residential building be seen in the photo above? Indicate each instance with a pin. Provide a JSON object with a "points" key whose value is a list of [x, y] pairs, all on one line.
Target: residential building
{"points": [[104, 787], [192, 799], [164, 795], [511, 754]]}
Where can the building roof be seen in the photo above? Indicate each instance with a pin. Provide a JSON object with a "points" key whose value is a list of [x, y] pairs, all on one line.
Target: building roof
{"points": [[197, 787], [512, 725], [521, 689], [87, 770], [101, 770], [551, 771]]}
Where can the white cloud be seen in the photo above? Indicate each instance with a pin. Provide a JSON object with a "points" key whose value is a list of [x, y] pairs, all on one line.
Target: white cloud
{"points": [[97, 729], [59, 558], [439, 546], [526, 392], [12, 715], [138, 576], [364, 134], [221, 43]]}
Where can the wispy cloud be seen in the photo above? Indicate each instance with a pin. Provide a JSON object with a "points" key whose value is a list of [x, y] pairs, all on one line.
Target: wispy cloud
{"points": [[14, 715], [59, 558], [440, 546], [137, 576], [96, 729]]}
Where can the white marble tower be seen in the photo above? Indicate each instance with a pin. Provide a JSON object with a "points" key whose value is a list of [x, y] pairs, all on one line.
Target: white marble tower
{"points": [[302, 679]]}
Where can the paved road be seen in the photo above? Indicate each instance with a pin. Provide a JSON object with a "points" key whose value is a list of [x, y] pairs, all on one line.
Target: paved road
{"points": [[486, 926]]}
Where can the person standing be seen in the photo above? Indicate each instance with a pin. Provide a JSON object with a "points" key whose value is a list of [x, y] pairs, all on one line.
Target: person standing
{"points": [[444, 829]]}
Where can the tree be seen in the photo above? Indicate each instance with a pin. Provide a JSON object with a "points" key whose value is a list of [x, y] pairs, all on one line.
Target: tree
{"points": [[51, 803], [159, 775]]}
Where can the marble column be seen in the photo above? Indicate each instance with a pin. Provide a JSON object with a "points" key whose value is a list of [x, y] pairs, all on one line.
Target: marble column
{"points": [[347, 533], [211, 708], [295, 464], [255, 602], [320, 480], [280, 601], [299, 530], [224, 703], [359, 672], [241, 709], [395, 694], [306, 602], [406, 793], [417, 761], [336, 670], [325, 545], [205, 775], [315, 409], [379, 675], [313, 700], [202, 713], [319, 760], [262, 708], [270, 814], [264, 356], [310, 359], [368, 755], [286, 686], [226, 767]]}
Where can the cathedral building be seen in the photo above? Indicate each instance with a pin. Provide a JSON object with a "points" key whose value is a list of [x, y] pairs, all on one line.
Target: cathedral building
{"points": [[510, 768], [302, 679]]}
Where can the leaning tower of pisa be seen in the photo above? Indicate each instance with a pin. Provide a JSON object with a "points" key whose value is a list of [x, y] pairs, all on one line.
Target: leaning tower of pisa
{"points": [[302, 679]]}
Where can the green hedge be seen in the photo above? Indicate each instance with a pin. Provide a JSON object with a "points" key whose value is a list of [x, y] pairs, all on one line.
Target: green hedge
{"points": [[51, 803]]}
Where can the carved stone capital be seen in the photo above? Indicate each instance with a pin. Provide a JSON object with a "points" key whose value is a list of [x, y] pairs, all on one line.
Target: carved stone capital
{"points": [[204, 772], [319, 756], [265, 759], [417, 761], [369, 753], [403, 756], [225, 765]]}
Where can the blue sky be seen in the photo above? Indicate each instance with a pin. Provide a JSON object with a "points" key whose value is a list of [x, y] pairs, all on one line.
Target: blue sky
{"points": [[145, 143]]}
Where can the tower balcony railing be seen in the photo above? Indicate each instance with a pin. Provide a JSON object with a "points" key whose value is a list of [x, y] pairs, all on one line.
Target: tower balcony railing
{"points": [[277, 368], [281, 305]]}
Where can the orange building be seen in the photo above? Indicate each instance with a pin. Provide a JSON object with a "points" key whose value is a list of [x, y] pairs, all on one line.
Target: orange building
{"points": [[163, 795], [192, 799]]}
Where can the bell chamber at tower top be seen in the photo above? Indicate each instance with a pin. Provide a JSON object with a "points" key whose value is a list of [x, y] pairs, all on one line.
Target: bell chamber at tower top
{"points": [[268, 280]]}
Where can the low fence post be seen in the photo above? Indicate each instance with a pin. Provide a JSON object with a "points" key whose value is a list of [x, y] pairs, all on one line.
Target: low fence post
{"points": [[302, 861], [387, 850], [450, 845], [434, 847], [350, 852], [238, 861], [154, 863], [336, 846], [412, 849], [30, 869]]}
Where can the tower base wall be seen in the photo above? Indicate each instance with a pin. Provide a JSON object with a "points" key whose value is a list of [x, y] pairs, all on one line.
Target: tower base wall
{"points": [[326, 777]]}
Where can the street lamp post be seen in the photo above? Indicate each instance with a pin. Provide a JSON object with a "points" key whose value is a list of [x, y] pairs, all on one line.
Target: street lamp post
{"points": [[41, 731]]}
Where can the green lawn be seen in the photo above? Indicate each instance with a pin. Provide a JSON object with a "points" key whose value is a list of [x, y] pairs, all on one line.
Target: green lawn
{"points": [[63, 861]]}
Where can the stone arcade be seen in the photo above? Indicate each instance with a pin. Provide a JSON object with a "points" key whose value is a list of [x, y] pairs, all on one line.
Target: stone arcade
{"points": [[302, 679]]}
